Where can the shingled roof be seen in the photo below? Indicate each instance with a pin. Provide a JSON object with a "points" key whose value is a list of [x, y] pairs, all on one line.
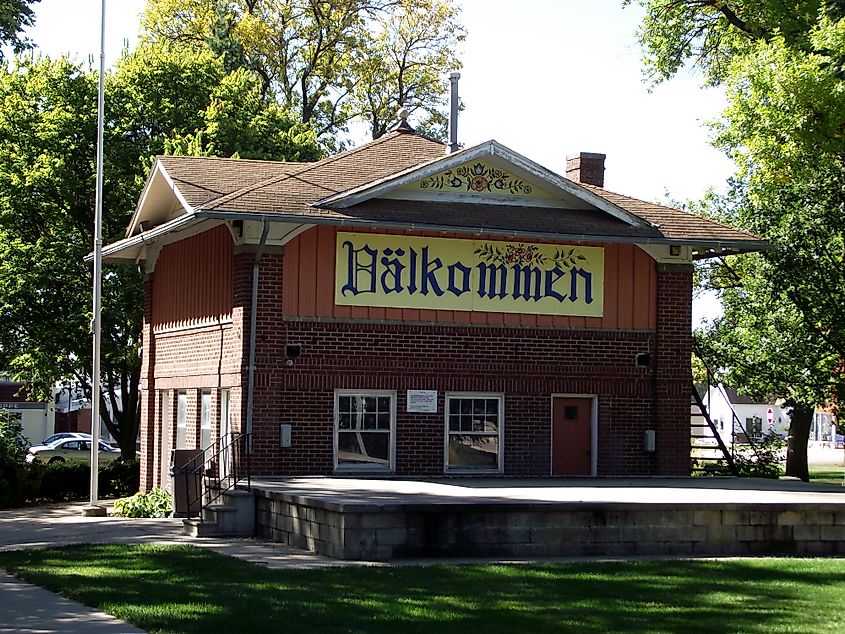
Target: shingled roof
{"points": [[273, 187], [359, 188]]}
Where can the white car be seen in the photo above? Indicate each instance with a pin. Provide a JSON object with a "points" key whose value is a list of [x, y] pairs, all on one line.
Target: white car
{"points": [[71, 450], [62, 435]]}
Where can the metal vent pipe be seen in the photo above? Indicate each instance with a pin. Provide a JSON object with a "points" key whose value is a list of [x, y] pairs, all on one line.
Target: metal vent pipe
{"points": [[453, 114]]}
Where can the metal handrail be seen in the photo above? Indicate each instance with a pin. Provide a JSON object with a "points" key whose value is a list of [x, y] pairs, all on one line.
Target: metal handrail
{"points": [[214, 470]]}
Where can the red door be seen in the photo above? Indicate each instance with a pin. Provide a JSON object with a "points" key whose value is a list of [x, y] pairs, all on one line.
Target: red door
{"points": [[571, 436]]}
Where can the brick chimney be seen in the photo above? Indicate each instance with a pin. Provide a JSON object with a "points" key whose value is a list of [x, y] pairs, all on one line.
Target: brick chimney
{"points": [[586, 167]]}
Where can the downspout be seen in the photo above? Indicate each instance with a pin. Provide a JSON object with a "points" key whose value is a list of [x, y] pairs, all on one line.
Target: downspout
{"points": [[253, 314]]}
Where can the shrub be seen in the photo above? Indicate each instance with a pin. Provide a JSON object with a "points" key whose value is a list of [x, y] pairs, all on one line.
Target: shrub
{"points": [[120, 478], [62, 481], [16, 481], [763, 461], [156, 503]]}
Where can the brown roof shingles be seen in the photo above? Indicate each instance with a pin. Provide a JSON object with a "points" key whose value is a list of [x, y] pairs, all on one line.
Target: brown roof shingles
{"points": [[292, 192], [673, 223], [278, 188]]}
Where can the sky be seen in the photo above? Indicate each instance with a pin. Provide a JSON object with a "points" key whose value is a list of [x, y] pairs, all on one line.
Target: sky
{"points": [[546, 78]]}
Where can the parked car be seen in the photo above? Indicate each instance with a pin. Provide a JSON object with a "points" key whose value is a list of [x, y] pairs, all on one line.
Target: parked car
{"points": [[62, 435], [71, 450]]}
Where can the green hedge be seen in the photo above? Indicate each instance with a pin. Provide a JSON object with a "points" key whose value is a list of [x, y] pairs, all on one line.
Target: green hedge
{"points": [[22, 482], [62, 481], [71, 480], [18, 483]]}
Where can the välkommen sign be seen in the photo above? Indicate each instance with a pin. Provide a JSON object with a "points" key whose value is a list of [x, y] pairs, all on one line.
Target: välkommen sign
{"points": [[479, 275]]}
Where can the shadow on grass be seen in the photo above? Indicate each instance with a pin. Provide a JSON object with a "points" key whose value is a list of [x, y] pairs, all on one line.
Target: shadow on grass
{"points": [[185, 589]]}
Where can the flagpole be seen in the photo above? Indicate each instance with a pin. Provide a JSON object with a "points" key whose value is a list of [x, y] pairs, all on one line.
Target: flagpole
{"points": [[93, 508]]}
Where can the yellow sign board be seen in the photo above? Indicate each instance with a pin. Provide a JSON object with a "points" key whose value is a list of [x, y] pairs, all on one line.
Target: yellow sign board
{"points": [[478, 275]]}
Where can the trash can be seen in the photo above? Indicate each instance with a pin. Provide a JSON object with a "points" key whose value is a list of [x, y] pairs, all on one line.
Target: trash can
{"points": [[187, 486]]}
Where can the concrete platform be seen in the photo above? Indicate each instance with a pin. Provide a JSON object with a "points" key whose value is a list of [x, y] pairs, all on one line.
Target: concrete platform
{"points": [[381, 520]]}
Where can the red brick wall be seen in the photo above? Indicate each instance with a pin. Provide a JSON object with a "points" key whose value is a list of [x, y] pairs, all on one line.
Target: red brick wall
{"points": [[674, 375], [148, 405], [527, 364], [189, 354]]}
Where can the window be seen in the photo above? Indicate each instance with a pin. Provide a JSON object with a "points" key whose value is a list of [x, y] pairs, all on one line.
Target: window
{"points": [[474, 432], [205, 420], [364, 424], [181, 420]]}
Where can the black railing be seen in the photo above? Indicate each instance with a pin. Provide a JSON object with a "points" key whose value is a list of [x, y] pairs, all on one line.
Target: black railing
{"points": [[211, 472]]}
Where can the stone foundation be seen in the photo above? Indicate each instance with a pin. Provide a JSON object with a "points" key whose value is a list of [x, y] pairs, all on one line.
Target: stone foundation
{"points": [[382, 532]]}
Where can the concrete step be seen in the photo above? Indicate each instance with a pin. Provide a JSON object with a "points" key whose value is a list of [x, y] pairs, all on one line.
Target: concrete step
{"points": [[232, 515], [196, 528]]}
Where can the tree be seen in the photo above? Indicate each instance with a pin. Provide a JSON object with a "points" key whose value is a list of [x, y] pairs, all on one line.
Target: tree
{"points": [[333, 62], [15, 16], [157, 100], [404, 64], [783, 331], [765, 345], [710, 34]]}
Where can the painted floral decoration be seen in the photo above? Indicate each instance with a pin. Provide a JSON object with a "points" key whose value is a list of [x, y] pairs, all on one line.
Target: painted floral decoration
{"points": [[527, 255], [477, 178]]}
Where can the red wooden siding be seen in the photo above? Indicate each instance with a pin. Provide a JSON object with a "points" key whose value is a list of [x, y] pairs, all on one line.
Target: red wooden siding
{"points": [[308, 289], [193, 280]]}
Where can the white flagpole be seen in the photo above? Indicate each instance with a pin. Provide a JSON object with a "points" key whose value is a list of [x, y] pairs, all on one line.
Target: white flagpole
{"points": [[93, 508]]}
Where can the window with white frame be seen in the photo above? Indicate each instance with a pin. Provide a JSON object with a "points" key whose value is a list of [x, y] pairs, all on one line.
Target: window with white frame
{"points": [[474, 432], [181, 420], [205, 419], [364, 424]]}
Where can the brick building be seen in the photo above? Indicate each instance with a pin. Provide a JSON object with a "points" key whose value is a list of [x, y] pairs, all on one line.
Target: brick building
{"points": [[412, 312]]}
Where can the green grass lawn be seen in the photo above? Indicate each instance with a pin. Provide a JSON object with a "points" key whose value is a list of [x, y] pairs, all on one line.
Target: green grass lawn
{"points": [[185, 589], [827, 473]]}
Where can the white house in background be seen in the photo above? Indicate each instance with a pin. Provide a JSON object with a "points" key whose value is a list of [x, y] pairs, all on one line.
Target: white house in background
{"points": [[753, 418], [73, 411], [823, 429], [37, 418]]}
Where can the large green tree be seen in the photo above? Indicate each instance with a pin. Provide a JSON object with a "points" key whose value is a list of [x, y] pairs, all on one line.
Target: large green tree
{"points": [[333, 62], [157, 100], [15, 16], [781, 65]]}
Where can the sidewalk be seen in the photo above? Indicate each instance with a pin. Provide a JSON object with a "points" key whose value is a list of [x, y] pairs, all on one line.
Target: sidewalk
{"points": [[63, 525], [27, 608]]}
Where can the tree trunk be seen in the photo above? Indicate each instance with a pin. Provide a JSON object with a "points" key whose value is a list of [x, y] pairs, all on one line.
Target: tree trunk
{"points": [[124, 426], [799, 435]]}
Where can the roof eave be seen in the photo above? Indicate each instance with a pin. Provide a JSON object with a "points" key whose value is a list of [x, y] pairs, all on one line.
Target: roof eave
{"points": [[111, 252], [158, 171], [740, 246]]}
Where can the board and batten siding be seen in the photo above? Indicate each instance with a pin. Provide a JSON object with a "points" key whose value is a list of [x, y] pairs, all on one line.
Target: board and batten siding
{"points": [[193, 281], [630, 289]]}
